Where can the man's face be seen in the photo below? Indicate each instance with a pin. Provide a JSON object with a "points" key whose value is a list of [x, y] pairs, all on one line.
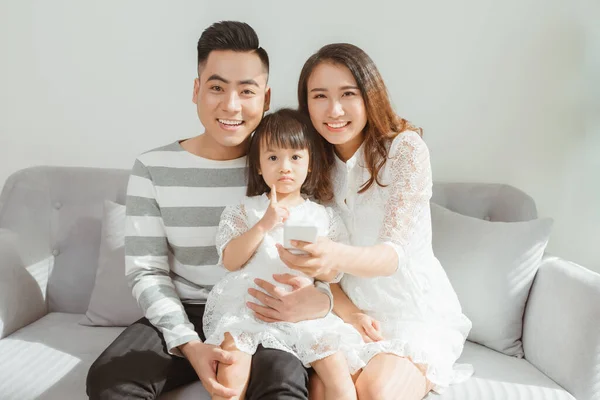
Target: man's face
{"points": [[231, 95]]}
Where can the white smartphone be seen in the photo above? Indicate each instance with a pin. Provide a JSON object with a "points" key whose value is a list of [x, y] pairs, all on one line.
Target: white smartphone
{"points": [[304, 233]]}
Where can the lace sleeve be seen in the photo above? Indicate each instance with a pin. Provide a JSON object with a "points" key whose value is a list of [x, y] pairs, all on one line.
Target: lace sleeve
{"points": [[406, 222], [233, 224], [337, 232], [337, 229]]}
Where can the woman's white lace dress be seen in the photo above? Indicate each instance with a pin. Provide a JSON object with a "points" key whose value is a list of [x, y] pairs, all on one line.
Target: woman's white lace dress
{"points": [[226, 309], [419, 311]]}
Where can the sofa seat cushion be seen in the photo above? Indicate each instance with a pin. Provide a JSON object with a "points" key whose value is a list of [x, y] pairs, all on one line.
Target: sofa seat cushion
{"points": [[501, 377], [49, 360], [497, 377]]}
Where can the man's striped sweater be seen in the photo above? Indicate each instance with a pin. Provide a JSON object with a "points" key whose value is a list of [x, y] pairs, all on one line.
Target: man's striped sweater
{"points": [[174, 203]]}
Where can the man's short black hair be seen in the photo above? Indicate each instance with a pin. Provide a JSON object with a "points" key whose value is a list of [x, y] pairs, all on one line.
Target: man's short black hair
{"points": [[230, 35]]}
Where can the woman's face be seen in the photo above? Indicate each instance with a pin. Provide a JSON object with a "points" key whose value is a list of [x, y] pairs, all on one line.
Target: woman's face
{"points": [[336, 107]]}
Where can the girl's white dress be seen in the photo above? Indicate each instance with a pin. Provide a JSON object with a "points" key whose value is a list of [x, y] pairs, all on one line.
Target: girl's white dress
{"points": [[419, 311], [226, 309]]}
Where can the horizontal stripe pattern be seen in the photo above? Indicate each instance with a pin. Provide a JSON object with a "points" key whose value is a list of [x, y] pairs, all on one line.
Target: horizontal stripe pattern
{"points": [[141, 187], [199, 255], [142, 207], [192, 236], [174, 156], [197, 177], [147, 225], [199, 196], [142, 246], [205, 276], [174, 204], [188, 217]]}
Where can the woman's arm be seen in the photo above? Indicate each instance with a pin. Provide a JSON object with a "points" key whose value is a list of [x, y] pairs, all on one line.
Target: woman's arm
{"points": [[368, 261], [328, 256], [337, 233], [328, 277], [406, 207], [343, 307], [369, 328]]}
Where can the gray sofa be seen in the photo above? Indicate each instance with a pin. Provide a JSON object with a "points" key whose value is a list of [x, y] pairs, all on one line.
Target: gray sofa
{"points": [[55, 214]]}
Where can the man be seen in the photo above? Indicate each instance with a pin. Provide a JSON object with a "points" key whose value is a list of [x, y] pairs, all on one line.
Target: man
{"points": [[174, 200]]}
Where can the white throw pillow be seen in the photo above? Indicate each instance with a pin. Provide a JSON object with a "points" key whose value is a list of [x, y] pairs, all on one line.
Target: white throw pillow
{"points": [[491, 266], [112, 303]]}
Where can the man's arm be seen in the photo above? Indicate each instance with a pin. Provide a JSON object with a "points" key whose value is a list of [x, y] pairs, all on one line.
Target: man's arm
{"points": [[304, 302], [147, 270], [147, 265]]}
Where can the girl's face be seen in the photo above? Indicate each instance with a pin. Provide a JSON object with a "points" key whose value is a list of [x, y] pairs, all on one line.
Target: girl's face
{"points": [[286, 168], [336, 106]]}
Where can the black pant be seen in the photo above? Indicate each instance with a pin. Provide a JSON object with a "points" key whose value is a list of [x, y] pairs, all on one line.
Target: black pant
{"points": [[137, 366]]}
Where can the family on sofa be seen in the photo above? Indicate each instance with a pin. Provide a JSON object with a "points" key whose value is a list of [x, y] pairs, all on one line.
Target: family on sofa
{"points": [[363, 309]]}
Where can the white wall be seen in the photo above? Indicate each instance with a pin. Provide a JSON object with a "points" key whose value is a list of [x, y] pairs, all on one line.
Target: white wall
{"points": [[506, 91]]}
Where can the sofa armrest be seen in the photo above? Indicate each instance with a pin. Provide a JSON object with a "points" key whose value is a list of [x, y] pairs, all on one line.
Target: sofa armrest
{"points": [[561, 334], [22, 300]]}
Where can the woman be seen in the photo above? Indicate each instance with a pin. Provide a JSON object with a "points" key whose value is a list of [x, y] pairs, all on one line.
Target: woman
{"points": [[394, 291]]}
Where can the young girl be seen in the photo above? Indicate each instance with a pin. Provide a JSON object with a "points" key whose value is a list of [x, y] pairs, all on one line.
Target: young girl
{"points": [[286, 165]]}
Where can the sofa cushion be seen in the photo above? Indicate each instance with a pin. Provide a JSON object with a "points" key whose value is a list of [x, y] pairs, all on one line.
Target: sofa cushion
{"points": [[491, 266], [497, 377], [112, 303], [49, 360], [500, 377], [58, 211], [489, 201]]}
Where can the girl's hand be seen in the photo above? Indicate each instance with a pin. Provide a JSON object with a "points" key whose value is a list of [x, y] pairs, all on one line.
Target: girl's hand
{"points": [[369, 328], [323, 257], [275, 213]]}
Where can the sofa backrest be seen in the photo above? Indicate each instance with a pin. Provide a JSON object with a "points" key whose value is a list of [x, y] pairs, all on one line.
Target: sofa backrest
{"points": [[58, 211], [488, 201]]}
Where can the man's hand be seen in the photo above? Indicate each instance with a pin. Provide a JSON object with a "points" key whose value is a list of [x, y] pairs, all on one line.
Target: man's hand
{"points": [[323, 257], [368, 327], [304, 302], [204, 359]]}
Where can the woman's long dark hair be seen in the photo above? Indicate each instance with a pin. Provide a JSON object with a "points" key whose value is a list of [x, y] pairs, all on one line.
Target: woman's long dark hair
{"points": [[383, 124]]}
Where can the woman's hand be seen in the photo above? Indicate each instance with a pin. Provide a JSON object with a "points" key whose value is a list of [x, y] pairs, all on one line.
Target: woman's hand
{"points": [[323, 257], [369, 328]]}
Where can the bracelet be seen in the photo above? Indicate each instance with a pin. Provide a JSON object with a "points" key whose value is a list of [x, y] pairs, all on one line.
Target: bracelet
{"points": [[324, 287]]}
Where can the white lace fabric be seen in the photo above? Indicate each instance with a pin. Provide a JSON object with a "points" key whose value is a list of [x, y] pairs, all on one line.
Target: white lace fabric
{"points": [[233, 223], [419, 311], [226, 309]]}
